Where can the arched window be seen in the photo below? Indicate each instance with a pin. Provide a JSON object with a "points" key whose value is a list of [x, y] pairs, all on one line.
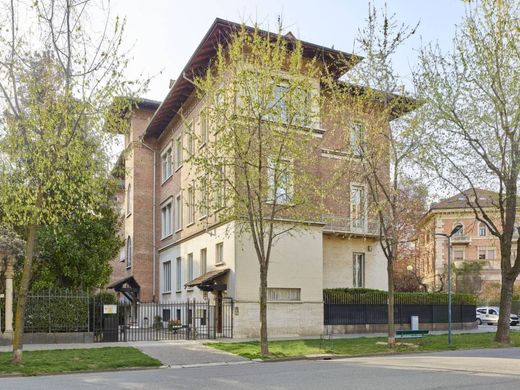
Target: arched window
{"points": [[482, 229], [129, 200], [461, 231], [128, 252]]}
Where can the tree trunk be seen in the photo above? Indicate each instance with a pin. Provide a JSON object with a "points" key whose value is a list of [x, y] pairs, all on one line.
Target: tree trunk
{"points": [[506, 298], [391, 321], [22, 296], [264, 346]]}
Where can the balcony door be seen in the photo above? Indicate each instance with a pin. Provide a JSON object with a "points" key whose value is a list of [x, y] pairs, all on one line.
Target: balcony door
{"points": [[358, 209]]}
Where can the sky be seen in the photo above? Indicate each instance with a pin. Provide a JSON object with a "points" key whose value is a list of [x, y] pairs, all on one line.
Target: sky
{"points": [[162, 34]]}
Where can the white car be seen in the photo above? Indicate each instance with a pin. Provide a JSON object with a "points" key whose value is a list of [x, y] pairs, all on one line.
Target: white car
{"points": [[489, 315]]}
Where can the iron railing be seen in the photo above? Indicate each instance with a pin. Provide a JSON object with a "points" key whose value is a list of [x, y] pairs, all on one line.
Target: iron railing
{"points": [[348, 225]]}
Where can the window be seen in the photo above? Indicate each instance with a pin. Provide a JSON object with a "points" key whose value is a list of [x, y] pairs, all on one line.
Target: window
{"points": [[357, 207], [166, 164], [128, 252], [359, 270], [358, 138], [283, 294], [482, 229], [460, 232], [191, 205], [167, 277], [166, 220], [203, 128], [203, 261], [458, 254], [129, 200], [219, 253], [204, 196], [178, 152], [178, 274], [486, 253], [278, 107], [220, 193], [190, 139], [178, 212], [166, 315], [190, 267], [280, 181]]}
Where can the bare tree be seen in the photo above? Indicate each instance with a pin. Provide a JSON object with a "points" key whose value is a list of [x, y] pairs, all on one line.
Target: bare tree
{"points": [[472, 121]]}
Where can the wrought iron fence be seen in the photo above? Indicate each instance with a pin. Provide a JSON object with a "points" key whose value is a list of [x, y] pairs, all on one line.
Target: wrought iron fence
{"points": [[343, 224], [168, 321], [59, 311]]}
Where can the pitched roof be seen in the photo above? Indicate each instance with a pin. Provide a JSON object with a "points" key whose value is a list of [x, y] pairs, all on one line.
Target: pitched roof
{"points": [[483, 198], [207, 277], [219, 33]]}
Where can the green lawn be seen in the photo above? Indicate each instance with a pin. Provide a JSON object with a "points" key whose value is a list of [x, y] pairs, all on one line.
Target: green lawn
{"points": [[362, 345], [69, 360]]}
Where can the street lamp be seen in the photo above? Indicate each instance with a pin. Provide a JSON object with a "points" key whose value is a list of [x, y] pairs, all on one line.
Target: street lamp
{"points": [[448, 236]]}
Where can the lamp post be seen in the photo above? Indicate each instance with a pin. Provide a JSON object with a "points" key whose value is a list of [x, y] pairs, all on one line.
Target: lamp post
{"points": [[448, 236]]}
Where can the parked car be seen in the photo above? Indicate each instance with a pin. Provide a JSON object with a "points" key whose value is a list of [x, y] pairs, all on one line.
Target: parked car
{"points": [[489, 315]]}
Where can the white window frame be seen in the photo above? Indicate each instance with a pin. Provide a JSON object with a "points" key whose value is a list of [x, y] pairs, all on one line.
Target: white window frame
{"points": [[178, 153], [178, 212], [166, 219], [482, 229], [189, 267], [129, 250], [203, 261], [283, 294], [166, 164], [190, 139], [219, 253], [358, 273], [129, 200], [204, 196], [358, 138], [282, 193], [178, 274], [360, 223], [191, 205], [204, 127], [167, 277], [220, 192]]}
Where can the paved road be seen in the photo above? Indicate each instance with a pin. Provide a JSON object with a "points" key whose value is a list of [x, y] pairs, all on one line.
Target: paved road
{"points": [[484, 369]]}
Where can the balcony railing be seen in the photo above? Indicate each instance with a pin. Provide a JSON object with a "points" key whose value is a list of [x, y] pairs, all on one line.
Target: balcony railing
{"points": [[352, 226], [456, 239]]}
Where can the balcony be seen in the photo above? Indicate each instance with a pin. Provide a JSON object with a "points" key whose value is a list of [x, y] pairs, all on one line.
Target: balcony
{"points": [[458, 239], [355, 227]]}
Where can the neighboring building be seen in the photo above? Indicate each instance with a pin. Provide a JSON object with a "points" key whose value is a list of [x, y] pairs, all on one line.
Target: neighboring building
{"points": [[472, 244], [174, 253]]}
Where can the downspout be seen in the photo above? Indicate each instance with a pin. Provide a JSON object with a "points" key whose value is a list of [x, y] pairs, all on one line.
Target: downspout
{"points": [[141, 139]]}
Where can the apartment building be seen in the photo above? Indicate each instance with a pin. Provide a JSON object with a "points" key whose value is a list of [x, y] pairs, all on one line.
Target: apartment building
{"points": [[473, 243], [177, 252]]}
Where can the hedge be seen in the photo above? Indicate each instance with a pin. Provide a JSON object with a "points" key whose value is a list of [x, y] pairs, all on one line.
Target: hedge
{"points": [[379, 297]]}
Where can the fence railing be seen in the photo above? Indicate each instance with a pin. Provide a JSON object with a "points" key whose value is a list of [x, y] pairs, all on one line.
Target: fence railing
{"points": [[377, 297], [342, 224], [352, 314]]}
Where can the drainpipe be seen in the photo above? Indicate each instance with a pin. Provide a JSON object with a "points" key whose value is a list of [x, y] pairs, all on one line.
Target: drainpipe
{"points": [[141, 139]]}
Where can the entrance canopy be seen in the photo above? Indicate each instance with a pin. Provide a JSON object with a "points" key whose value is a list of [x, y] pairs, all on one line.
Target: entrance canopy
{"points": [[207, 281], [128, 287]]}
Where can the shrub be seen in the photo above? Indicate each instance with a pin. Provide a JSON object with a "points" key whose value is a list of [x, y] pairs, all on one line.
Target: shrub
{"points": [[379, 297]]}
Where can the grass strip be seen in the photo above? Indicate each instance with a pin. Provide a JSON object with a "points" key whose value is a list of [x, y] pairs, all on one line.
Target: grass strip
{"points": [[72, 360], [363, 345]]}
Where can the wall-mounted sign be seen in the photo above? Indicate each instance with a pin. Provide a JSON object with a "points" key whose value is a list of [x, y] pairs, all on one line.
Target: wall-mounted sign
{"points": [[109, 309]]}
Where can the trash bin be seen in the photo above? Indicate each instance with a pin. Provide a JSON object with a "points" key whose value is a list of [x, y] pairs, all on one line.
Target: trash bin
{"points": [[414, 320]]}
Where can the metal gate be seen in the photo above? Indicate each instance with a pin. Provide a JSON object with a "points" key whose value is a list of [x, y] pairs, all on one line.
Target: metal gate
{"points": [[189, 320]]}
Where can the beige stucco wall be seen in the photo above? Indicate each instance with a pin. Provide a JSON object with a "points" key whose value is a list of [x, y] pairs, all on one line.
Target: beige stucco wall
{"points": [[338, 257], [296, 262], [208, 240]]}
